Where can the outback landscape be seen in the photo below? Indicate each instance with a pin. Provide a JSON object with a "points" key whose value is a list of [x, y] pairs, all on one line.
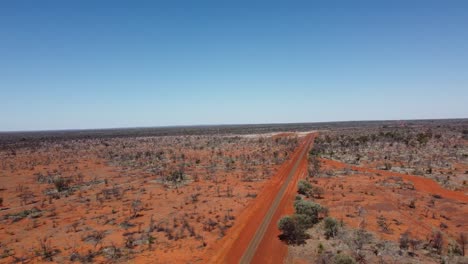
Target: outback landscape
{"points": [[226, 132], [354, 192]]}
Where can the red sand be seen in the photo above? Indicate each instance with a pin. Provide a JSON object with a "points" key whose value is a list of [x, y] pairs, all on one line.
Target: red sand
{"points": [[364, 189], [92, 212], [420, 183]]}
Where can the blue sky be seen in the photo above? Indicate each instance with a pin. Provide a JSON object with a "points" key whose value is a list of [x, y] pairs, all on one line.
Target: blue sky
{"points": [[99, 64]]}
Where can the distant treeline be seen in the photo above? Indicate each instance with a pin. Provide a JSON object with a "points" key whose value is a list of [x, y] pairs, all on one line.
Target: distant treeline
{"points": [[24, 139]]}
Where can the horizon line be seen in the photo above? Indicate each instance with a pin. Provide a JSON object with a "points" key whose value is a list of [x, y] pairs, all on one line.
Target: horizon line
{"points": [[221, 125]]}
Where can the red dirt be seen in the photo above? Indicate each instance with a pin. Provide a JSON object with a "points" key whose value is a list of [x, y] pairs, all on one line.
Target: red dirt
{"points": [[420, 183], [270, 242], [270, 249], [169, 207], [364, 189]]}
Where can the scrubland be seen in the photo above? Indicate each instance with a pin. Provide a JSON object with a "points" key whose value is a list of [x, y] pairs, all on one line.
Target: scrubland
{"points": [[391, 194], [162, 199]]}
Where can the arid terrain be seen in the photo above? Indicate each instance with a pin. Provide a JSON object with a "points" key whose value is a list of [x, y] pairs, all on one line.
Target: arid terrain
{"points": [[162, 199], [393, 192]]}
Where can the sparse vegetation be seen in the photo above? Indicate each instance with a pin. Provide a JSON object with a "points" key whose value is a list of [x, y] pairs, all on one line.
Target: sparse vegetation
{"points": [[381, 180], [166, 193], [144, 193]]}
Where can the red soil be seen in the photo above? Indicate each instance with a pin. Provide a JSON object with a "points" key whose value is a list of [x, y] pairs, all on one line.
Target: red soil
{"points": [[270, 249], [365, 190], [420, 183], [169, 207]]}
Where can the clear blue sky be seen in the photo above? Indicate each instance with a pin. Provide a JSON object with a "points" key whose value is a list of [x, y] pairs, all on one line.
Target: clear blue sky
{"points": [[98, 64]]}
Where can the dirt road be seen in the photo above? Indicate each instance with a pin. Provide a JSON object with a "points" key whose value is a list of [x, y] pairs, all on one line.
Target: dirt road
{"points": [[254, 237]]}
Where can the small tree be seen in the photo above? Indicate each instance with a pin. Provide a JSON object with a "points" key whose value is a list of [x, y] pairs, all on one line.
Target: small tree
{"points": [[310, 211]]}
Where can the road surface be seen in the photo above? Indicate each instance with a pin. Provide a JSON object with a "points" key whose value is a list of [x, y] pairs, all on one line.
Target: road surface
{"points": [[255, 237]]}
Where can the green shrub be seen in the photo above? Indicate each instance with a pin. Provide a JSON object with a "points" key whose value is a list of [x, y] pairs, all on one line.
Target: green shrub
{"points": [[293, 231], [307, 189], [304, 188], [343, 259], [331, 227], [309, 210]]}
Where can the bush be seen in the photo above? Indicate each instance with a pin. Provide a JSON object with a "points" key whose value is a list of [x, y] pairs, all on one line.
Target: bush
{"points": [[405, 240], [176, 177], [437, 241], [304, 187], [62, 184], [317, 192], [307, 189], [331, 227], [293, 230], [136, 207], [343, 259], [303, 220], [309, 210], [454, 249], [314, 166], [388, 166]]}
